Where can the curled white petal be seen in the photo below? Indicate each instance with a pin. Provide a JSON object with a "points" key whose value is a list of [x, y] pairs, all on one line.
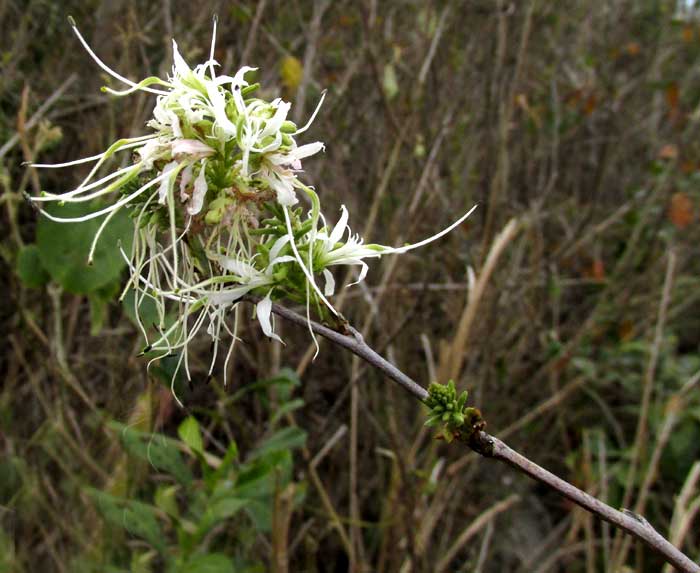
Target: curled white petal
{"points": [[166, 182], [264, 312], [200, 191], [339, 229], [329, 288]]}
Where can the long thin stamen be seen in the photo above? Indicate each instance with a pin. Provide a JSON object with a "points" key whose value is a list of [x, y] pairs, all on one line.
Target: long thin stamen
{"points": [[116, 206], [134, 142], [67, 196], [313, 115], [104, 66], [434, 237], [213, 46], [306, 272]]}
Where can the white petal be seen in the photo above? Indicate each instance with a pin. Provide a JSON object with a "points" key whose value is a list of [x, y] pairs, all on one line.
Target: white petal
{"points": [[340, 227], [185, 180], [218, 102], [278, 260], [200, 191], [363, 272], [329, 289], [181, 66], [166, 182], [226, 297], [277, 247], [275, 122], [284, 189], [238, 267], [264, 312], [308, 149], [175, 123]]}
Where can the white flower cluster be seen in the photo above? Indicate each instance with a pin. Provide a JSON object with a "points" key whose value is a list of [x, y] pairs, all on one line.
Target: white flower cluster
{"points": [[211, 193]]}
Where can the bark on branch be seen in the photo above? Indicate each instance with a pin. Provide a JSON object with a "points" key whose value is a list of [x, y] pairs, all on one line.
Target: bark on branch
{"points": [[491, 447]]}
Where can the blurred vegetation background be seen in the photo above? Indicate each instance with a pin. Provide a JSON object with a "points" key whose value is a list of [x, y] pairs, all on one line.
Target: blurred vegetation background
{"points": [[568, 304]]}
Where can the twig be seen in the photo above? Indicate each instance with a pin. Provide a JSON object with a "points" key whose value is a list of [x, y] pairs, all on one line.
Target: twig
{"points": [[253, 34], [320, 7], [38, 114], [491, 447]]}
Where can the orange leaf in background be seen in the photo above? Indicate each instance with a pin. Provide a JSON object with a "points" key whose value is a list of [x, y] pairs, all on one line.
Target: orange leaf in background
{"points": [[688, 167], [668, 151], [590, 104], [688, 34], [598, 270], [672, 96], [625, 330], [633, 48], [680, 211]]}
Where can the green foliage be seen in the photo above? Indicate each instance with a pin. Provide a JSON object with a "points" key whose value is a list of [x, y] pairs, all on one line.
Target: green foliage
{"points": [[182, 518], [29, 268], [138, 519], [449, 410], [190, 433], [158, 450]]}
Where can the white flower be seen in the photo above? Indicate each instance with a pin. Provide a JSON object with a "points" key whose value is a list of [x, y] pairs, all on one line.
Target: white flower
{"points": [[329, 250]]}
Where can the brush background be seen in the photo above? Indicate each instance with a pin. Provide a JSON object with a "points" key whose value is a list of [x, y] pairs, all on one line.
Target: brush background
{"points": [[578, 118]]}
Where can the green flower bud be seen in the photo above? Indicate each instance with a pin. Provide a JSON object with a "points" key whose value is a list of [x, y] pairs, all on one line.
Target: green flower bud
{"points": [[289, 127]]}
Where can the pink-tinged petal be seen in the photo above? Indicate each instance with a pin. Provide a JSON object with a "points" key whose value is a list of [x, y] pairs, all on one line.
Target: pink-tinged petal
{"points": [[192, 148]]}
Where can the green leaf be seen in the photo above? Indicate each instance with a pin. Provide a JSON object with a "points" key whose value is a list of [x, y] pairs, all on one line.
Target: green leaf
{"points": [[190, 433], [98, 313], [284, 409], [147, 312], [141, 562], [219, 510], [227, 507], [29, 268], [258, 479], [166, 500], [285, 381], [285, 439], [229, 458], [135, 517], [207, 563], [64, 247], [161, 452]]}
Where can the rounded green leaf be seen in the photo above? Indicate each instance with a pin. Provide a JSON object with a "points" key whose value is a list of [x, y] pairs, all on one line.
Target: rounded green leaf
{"points": [[64, 247], [29, 268]]}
